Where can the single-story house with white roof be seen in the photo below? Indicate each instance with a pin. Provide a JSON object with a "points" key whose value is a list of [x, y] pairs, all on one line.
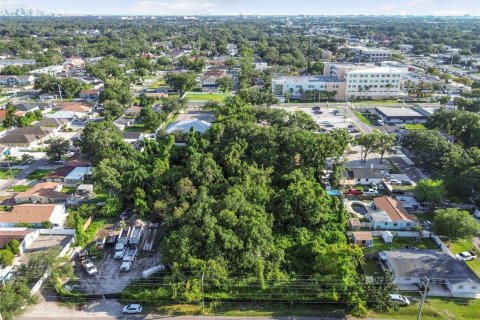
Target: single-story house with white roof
{"points": [[185, 126]]}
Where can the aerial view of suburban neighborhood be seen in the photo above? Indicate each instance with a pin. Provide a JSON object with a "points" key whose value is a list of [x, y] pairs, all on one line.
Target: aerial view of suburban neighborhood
{"points": [[229, 160]]}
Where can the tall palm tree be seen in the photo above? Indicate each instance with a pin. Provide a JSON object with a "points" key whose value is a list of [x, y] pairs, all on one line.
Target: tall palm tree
{"points": [[388, 86]]}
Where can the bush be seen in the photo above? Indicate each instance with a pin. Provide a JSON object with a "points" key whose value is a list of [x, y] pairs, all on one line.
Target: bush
{"points": [[6, 257], [14, 246]]}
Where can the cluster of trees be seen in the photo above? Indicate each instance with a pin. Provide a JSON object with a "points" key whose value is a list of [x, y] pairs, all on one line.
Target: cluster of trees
{"points": [[455, 224], [376, 141], [70, 87], [242, 204], [457, 163], [11, 120]]}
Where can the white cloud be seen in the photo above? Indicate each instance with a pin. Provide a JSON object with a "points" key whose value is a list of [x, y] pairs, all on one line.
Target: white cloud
{"points": [[414, 3], [388, 7], [177, 7], [9, 4], [451, 12]]}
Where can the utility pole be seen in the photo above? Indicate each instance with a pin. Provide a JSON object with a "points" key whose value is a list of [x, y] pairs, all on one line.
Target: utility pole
{"points": [[60, 92], [424, 295], [11, 175], [203, 293]]}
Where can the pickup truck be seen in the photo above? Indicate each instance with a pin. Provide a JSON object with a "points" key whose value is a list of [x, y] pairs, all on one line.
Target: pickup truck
{"points": [[89, 267], [128, 259], [120, 250]]}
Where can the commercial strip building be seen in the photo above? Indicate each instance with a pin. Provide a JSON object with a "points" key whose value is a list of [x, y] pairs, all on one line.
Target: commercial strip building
{"points": [[401, 115], [344, 81]]}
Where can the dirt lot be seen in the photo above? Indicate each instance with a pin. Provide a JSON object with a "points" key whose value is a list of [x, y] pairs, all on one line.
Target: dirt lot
{"points": [[109, 279]]}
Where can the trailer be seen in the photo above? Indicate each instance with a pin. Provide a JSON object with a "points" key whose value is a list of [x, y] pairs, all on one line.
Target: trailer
{"points": [[122, 241], [150, 234], [128, 258], [135, 235]]}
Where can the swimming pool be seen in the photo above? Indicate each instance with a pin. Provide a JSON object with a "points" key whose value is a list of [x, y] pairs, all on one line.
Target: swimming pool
{"points": [[359, 208]]}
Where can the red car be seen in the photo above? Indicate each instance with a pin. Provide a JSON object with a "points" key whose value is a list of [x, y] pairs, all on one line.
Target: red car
{"points": [[354, 192]]}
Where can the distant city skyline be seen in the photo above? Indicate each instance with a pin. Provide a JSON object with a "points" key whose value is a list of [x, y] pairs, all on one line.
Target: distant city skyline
{"points": [[250, 7]]}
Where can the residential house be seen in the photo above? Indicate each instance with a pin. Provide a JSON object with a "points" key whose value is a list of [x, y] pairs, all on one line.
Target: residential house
{"points": [[70, 116], [90, 94], [81, 110], [354, 224], [133, 111], [48, 96], [3, 115], [77, 176], [122, 123], [59, 174], [185, 126], [389, 214], [32, 106], [52, 123], [209, 79], [448, 276], [363, 176], [133, 137], [362, 238], [43, 192], [29, 137], [24, 236], [14, 81], [34, 214]]}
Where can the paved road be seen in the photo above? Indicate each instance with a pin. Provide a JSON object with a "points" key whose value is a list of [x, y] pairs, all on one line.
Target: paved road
{"points": [[111, 309], [360, 125], [22, 175], [407, 166]]}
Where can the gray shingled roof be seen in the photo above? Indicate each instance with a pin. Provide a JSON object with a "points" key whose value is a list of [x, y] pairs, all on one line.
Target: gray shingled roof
{"points": [[433, 264]]}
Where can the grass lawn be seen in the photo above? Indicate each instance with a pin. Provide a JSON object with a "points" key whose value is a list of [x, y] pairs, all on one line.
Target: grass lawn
{"points": [[157, 83], [399, 243], [5, 173], [438, 309], [100, 196], [68, 190], [216, 97], [371, 268], [139, 127], [19, 188], [248, 310], [466, 245], [39, 174], [417, 126], [362, 118]]}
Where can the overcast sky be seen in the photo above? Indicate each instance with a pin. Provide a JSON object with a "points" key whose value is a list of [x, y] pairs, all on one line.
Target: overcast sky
{"points": [[262, 7]]}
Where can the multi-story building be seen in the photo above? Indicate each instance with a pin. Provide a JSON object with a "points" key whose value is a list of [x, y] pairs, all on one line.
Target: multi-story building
{"points": [[364, 54], [299, 87], [367, 81], [16, 62], [13, 81]]}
